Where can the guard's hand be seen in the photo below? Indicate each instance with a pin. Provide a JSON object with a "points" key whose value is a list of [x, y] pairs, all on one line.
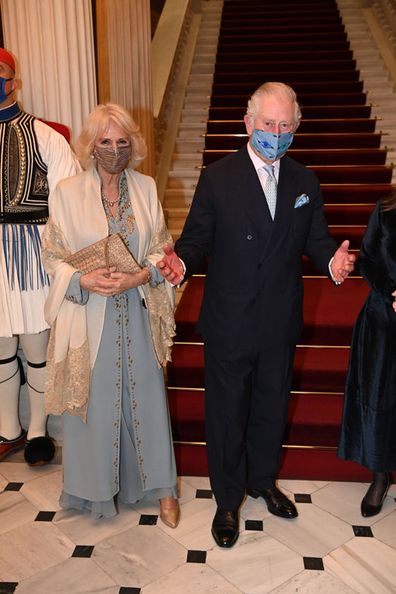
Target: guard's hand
{"points": [[170, 266]]}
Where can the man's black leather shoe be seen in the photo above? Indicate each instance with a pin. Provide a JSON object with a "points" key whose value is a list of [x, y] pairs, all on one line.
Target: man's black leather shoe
{"points": [[225, 528], [277, 503]]}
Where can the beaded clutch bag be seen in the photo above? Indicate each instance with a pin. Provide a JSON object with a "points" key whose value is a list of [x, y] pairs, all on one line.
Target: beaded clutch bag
{"points": [[110, 251]]}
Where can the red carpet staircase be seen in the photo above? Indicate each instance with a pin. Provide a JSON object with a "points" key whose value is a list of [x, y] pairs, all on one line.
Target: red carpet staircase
{"points": [[305, 45]]}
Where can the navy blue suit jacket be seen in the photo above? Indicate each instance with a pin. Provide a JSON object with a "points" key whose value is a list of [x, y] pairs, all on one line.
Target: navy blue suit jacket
{"points": [[253, 287]]}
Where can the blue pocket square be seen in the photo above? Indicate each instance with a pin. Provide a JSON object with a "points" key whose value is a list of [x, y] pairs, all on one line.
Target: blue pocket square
{"points": [[301, 200]]}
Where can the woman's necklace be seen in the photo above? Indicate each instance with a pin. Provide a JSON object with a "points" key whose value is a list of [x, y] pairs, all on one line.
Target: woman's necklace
{"points": [[110, 203]]}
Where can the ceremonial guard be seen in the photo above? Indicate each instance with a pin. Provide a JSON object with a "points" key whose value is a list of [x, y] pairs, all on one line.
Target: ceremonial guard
{"points": [[33, 158]]}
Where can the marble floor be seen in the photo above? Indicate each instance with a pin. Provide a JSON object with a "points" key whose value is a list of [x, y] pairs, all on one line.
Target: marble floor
{"points": [[329, 548]]}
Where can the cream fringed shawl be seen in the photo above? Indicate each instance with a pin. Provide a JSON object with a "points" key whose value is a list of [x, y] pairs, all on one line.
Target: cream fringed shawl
{"points": [[77, 219]]}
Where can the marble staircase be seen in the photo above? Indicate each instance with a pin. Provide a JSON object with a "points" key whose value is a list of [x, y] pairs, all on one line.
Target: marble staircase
{"points": [[378, 83], [187, 156]]}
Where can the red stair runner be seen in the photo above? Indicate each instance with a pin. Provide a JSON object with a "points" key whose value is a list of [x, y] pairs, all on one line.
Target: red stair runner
{"points": [[302, 43]]}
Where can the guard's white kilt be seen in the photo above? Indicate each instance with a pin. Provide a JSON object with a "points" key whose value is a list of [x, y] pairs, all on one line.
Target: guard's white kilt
{"points": [[21, 308]]}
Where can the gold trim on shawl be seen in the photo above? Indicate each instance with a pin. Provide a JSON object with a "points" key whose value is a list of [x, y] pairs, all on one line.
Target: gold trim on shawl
{"points": [[159, 306], [68, 371], [68, 379], [67, 382]]}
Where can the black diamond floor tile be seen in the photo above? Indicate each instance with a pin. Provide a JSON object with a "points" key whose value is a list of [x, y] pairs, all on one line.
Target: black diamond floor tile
{"points": [[128, 590], [148, 520], [45, 516], [302, 498], [313, 563], [8, 587], [13, 487], [254, 525], [362, 531], [83, 551], [204, 494], [196, 557]]}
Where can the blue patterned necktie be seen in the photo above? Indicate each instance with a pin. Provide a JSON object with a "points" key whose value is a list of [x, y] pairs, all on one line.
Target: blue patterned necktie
{"points": [[270, 188]]}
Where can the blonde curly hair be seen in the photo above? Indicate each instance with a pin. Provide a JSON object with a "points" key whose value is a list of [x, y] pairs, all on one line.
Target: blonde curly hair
{"points": [[96, 125]]}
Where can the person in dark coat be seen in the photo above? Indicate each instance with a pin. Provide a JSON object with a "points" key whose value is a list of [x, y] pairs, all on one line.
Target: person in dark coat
{"points": [[368, 433], [255, 213]]}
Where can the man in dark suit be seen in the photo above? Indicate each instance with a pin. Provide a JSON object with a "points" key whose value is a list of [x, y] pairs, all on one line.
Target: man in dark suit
{"points": [[254, 215]]}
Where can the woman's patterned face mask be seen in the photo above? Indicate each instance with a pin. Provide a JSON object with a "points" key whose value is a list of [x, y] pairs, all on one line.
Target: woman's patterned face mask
{"points": [[113, 160]]}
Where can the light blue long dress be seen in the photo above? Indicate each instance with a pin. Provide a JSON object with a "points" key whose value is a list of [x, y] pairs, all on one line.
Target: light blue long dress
{"points": [[125, 448]]}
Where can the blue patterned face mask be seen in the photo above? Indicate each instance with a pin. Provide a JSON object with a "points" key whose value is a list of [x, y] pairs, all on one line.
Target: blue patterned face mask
{"points": [[3, 94], [271, 146]]}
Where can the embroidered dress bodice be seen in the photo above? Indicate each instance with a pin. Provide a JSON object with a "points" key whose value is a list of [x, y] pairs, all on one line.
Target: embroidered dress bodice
{"points": [[124, 221]]}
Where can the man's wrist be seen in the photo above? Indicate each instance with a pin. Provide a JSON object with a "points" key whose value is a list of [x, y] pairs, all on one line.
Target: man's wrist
{"points": [[336, 282], [182, 276]]}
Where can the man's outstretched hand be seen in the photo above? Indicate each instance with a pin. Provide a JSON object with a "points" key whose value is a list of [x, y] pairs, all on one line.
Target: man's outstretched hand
{"points": [[343, 263], [170, 266]]}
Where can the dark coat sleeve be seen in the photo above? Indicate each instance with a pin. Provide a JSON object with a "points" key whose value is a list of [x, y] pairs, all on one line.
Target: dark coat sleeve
{"points": [[195, 242], [377, 263], [319, 246]]}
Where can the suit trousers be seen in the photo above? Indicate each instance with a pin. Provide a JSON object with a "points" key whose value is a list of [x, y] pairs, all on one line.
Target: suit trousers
{"points": [[246, 401]]}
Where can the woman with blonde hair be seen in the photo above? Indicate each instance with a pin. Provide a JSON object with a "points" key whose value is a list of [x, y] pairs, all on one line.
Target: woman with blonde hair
{"points": [[111, 330]]}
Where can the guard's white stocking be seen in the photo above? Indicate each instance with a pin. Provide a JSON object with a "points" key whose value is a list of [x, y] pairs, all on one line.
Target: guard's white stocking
{"points": [[34, 347], [10, 427]]}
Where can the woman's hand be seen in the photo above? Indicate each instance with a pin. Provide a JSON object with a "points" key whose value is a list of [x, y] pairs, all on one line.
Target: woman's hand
{"points": [[109, 282], [394, 300], [124, 281], [98, 281]]}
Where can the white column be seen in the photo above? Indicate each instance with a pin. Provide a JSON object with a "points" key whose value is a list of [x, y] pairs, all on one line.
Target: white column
{"points": [[53, 43]]}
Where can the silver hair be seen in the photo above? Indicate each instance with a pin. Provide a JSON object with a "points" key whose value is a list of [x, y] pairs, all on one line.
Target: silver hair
{"points": [[276, 89]]}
